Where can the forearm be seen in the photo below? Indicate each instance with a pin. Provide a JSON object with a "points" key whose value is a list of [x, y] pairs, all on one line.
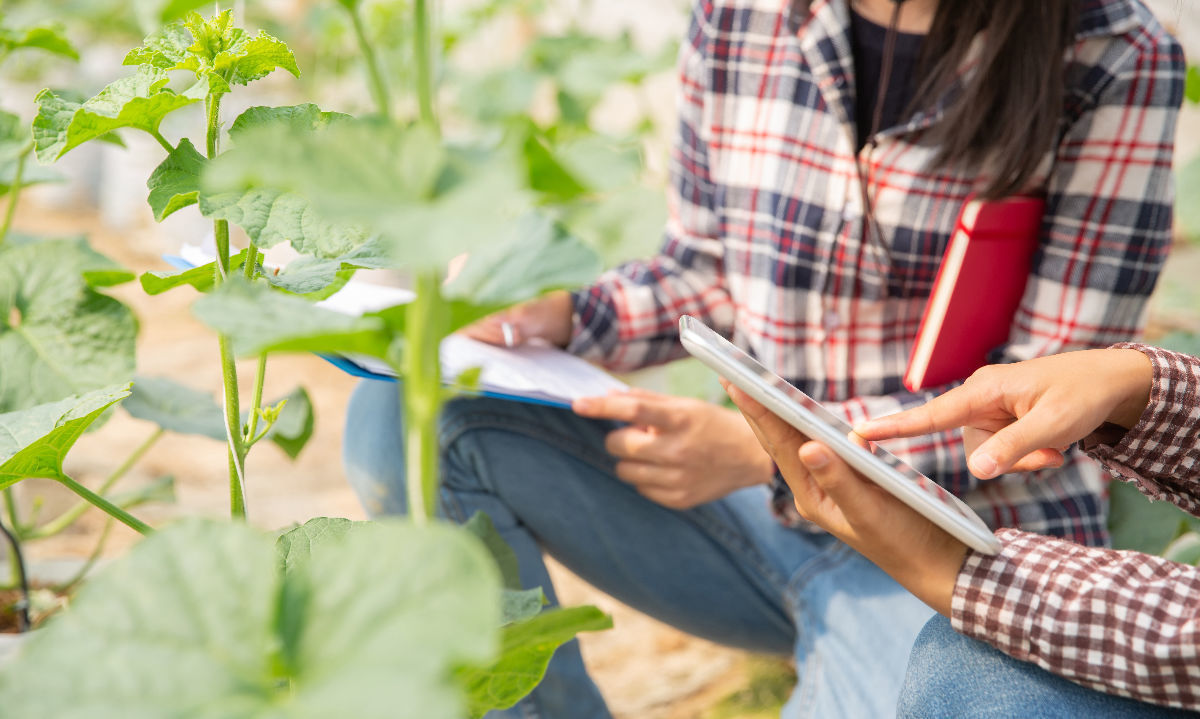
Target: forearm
{"points": [[1120, 622]]}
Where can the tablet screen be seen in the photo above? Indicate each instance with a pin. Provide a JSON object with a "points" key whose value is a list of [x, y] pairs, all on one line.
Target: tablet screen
{"points": [[835, 432]]}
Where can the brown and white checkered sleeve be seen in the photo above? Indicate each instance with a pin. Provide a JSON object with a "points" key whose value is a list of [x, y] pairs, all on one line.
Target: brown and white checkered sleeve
{"points": [[1123, 623], [1120, 622], [1162, 453]]}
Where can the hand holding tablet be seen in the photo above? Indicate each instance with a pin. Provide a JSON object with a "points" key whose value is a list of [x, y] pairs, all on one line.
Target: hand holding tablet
{"points": [[814, 422]]}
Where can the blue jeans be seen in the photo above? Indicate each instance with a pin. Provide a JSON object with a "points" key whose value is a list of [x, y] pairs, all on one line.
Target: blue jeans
{"points": [[952, 675], [725, 571]]}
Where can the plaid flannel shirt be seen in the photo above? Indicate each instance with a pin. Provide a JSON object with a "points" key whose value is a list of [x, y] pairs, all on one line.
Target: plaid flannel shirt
{"points": [[763, 241], [1120, 622]]}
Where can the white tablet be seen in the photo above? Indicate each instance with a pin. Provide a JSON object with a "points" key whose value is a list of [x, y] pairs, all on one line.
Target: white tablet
{"points": [[807, 415]]}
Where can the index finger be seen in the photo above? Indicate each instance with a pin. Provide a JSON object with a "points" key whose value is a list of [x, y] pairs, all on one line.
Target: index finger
{"points": [[951, 410], [636, 409]]}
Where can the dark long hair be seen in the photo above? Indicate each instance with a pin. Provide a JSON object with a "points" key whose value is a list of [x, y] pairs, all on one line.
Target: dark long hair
{"points": [[1007, 118]]}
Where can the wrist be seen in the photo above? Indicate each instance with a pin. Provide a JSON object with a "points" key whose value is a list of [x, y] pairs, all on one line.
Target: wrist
{"points": [[1136, 376]]}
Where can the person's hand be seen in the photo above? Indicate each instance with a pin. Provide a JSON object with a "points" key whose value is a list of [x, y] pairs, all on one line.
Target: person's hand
{"points": [[1021, 417], [913, 550], [548, 317], [676, 451]]}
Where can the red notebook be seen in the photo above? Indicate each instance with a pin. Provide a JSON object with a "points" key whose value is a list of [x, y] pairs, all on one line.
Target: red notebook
{"points": [[977, 289]]}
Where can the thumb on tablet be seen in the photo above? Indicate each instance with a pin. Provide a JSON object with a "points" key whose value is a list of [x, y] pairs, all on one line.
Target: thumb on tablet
{"points": [[841, 483]]}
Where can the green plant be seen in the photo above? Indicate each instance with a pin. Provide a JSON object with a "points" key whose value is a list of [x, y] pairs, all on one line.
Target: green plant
{"points": [[60, 334], [400, 197]]}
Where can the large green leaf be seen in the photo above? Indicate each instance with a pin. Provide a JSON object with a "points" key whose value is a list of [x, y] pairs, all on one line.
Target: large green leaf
{"points": [[49, 38], [259, 320], [537, 256], [140, 101], [272, 216], [526, 648], [58, 336], [429, 203], [34, 441], [197, 622], [175, 183]]}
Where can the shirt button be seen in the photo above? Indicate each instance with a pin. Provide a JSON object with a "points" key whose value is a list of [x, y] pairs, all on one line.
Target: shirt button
{"points": [[832, 320]]}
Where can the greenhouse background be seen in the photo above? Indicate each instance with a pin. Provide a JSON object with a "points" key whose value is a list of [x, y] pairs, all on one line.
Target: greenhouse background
{"points": [[596, 78]]}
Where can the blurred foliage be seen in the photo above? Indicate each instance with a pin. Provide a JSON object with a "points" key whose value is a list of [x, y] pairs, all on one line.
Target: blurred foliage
{"points": [[769, 682]]}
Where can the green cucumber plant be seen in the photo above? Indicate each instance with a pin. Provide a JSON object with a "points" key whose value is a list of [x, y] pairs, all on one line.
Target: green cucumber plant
{"points": [[408, 200]]}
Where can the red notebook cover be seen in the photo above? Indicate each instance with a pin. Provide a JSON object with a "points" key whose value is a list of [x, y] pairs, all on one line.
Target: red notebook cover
{"points": [[977, 289]]}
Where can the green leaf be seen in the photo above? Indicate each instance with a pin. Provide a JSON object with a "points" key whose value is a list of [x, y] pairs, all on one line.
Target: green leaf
{"points": [[175, 407], [294, 427], [49, 38], [218, 51], [526, 648], [1137, 523], [546, 174], [259, 321], [1185, 549], [175, 183], [294, 546], [427, 203], [536, 257], [140, 101], [517, 605], [1192, 85], [35, 441], [58, 336], [201, 278], [622, 224], [197, 621], [270, 217], [481, 526], [290, 118], [602, 164]]}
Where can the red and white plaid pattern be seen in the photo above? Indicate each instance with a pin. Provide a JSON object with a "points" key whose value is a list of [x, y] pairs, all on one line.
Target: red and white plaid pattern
{"points": [[764, 239], [1121, 622]]}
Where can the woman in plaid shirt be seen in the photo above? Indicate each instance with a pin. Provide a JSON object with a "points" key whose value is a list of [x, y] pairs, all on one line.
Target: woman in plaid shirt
{"points": [[824, 152], [1123, 624]]}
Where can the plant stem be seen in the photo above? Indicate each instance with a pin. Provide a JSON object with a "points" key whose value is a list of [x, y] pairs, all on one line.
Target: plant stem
{"points": [[113, 510], [425, 320], [14, 550], [162, 141], [424, 62], [256, 403], [233, 412], [233, 430], [14, 192], [20, 578], [68, 517], [379, 91]]}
